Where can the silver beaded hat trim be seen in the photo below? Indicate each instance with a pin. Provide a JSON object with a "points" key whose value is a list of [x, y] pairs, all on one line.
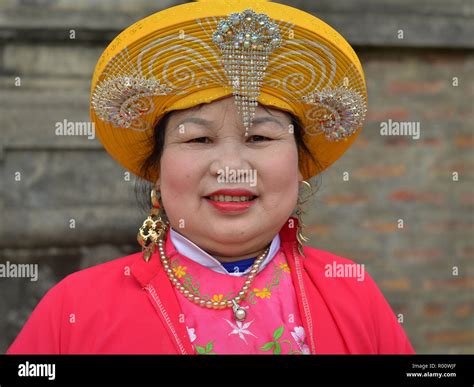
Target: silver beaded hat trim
{"points": [[246, 40], [245, 45]]}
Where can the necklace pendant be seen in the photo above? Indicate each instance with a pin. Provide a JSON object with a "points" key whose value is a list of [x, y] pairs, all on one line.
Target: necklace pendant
{"points": [[239, 313]]}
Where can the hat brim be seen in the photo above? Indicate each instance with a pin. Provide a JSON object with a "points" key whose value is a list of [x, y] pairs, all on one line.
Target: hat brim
{"points": [[173, 46]]}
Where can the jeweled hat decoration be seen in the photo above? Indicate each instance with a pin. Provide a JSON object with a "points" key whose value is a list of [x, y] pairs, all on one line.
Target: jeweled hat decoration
{"points": [[246, 40], [340, 111], [255, 50], [123, 100]]}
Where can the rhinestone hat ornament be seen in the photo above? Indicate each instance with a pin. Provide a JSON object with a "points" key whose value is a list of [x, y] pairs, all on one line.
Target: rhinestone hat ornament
{"points": [[246, 40], [123, 100], [339, 111]]}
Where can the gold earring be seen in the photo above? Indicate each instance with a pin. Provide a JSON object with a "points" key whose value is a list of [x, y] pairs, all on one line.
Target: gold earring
{"points": [[154, 227], [299, 212]]}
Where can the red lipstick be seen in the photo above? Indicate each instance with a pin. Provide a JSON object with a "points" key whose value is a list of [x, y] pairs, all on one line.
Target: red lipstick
{"points": [[232, 206]]}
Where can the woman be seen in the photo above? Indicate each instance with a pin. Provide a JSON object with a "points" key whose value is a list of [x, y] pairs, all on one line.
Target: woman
{"points": [[226, 108]]}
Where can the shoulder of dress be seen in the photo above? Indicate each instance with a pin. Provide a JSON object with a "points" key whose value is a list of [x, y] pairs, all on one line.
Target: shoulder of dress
{"points": [[321, 257], [97, 278], [335, 272]]}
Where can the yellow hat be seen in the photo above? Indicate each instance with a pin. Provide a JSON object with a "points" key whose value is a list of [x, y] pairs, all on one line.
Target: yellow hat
{"points": [[256, 50]]}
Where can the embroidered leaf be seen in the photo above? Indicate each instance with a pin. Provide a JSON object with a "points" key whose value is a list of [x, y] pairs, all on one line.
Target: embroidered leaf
{"points": [[268, 346], [200, 350], [277, 334], [209, 346], [275, 278], [226, 297], [250, 297], [277, 350], [188, 284]]}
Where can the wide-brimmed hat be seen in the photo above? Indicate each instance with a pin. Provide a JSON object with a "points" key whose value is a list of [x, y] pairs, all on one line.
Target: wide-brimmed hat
{"points": [[256, 50]]}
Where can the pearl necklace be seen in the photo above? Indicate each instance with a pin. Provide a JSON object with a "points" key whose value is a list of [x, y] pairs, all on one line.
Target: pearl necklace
{"points": [[239, 313]]}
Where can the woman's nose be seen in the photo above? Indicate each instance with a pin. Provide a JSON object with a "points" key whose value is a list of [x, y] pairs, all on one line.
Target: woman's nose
{"points": [[230, 155]]}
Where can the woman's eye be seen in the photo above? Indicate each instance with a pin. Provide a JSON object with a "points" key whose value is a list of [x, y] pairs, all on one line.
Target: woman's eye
{"points": [[260, 138], [204, 140], [199, 139]]}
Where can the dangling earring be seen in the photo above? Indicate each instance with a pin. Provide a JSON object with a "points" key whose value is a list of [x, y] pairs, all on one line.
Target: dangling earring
{"points": [[299, 212], [154, 227]]}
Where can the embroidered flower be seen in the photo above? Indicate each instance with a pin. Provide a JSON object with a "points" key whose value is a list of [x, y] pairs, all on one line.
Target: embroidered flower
{"points": [[217, 297], [191, 333], [284, 267], [180, 271], [241, 329], [264, 293], [299, 336]]}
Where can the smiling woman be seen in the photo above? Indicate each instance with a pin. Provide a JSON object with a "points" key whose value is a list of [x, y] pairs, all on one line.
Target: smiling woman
{"points": [[190, 172], [224, 109]]}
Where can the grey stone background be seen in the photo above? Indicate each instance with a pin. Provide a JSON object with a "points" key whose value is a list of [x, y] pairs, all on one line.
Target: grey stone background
{"points": [[391, 177]]}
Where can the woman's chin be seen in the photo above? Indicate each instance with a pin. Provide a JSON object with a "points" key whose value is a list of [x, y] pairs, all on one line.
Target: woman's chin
{"points": [[226, 234]]}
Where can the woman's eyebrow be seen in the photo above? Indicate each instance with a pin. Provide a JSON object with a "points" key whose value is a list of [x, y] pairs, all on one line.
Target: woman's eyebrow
{"points": [[207, 123], [195, 120], [261, 120]]}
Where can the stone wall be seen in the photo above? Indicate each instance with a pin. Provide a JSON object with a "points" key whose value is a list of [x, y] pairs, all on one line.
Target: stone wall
{"points": [[65, 205]]}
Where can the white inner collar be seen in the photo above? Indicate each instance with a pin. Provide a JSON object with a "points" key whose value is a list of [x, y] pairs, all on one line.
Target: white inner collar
{"points": [[192, 251]]}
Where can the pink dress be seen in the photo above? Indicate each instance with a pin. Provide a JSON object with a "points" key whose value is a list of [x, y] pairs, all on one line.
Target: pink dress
{"points": [[272, 326], [129, 306]]}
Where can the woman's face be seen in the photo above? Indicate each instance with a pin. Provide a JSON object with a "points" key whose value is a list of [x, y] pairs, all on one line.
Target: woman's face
{"points": [[206, 150]]}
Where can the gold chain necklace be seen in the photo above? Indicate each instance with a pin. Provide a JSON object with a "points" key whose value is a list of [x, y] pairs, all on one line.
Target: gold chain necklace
{"points": [[239, 313]]}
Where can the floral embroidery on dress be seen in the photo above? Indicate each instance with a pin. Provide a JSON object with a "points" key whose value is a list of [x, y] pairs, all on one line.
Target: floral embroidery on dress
{"points": [[180, 271], [191, 333], [241, 329], [284, 266], [193, 285], [207, 350], [264, 293], [217, 297], [279, 268], [269, 303], [189, 283], [298, 335]]}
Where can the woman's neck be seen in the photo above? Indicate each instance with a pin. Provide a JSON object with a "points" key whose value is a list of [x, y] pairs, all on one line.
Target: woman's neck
{"points": [[226, 259]]}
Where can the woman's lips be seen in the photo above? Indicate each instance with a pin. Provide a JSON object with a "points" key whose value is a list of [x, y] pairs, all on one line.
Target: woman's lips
{"points": [[231, 206]]}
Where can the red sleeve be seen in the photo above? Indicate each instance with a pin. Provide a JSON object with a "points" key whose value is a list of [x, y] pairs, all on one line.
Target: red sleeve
{"points": [[391, 338], [41, 333]]}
